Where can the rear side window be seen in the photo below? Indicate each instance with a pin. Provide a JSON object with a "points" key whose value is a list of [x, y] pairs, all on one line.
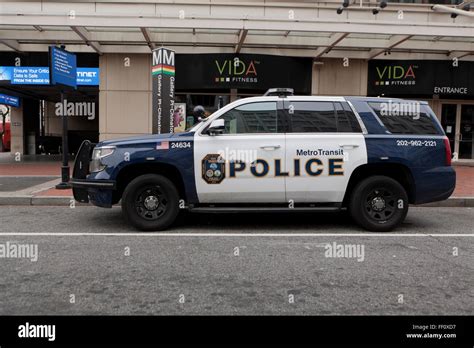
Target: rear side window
{"points": [[404, 117], [321, 117]]}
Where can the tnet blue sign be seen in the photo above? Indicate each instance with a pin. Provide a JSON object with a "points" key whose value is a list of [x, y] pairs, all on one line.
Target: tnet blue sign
{"points": [[9, 100], [63, 67], [88, 76], [39, 75]]}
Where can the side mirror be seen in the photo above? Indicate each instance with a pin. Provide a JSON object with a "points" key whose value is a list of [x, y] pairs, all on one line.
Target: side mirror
{"points": [[216, 127]]}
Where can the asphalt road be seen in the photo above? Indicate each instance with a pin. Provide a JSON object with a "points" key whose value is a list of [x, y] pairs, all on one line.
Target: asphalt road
{"points": [[195, 269]]}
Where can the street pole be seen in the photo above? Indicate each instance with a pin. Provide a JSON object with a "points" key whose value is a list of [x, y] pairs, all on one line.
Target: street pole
{"points": [[64, 184]]}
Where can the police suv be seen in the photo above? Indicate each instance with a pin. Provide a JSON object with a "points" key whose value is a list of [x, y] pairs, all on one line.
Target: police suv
{"points": [[278, 152]]}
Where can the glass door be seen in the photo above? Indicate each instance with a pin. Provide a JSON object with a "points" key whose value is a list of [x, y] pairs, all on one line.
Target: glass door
{"points": [[466, 145], [448, 122]]}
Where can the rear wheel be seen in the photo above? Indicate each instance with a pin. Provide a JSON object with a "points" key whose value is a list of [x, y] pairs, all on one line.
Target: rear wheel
{"points": [[150, 202], [379, 204]]}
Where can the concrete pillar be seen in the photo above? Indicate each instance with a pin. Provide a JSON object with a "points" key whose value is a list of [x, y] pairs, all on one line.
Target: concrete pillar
{"points": [[340, 78], [233, 94], [124, 95]]}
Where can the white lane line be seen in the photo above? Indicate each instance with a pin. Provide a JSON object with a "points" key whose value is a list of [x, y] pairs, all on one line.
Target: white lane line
{"points": [[172, 234]]}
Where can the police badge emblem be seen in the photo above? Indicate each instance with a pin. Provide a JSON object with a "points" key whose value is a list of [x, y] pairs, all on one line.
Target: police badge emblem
{"points": [[213, 169]]}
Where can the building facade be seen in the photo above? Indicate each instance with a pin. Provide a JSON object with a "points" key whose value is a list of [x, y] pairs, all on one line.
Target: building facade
{"points": [[416, 50]]}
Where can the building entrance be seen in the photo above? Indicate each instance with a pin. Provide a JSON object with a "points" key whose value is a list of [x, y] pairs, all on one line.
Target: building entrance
{"points": [[457, 120]]}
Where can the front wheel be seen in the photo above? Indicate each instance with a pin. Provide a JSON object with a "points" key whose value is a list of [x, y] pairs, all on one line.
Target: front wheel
{"points": [[379, 204], [150, 202]]}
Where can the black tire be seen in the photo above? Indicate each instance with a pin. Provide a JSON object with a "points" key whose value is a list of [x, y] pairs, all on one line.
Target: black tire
{"points": [[378, 204], [150, 202]]}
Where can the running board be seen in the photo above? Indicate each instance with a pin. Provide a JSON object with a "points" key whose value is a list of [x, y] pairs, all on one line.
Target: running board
{"points": [[262, 209]]}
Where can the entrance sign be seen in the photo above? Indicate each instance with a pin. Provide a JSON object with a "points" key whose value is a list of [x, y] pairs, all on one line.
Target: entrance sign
{"points": [[163, 86], [9, 100], [63, 67]]}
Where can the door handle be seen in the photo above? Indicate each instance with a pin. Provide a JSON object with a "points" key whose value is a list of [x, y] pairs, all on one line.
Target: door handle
{"points": [[351, 146], [270, 147]]}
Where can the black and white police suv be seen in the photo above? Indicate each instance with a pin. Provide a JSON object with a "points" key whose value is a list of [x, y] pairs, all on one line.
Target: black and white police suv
{"points": [[372, 156]]}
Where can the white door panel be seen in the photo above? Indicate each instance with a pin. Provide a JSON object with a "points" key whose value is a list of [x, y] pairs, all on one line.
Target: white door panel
{"points": [[320, 165], [240, 182]]}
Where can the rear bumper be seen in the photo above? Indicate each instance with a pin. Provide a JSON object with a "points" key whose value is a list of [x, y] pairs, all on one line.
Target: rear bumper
{"points": [[434, 185]]}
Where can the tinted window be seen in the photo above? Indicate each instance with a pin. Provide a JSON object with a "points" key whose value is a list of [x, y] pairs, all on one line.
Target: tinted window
{"points": [[346, 120], [252, 118], [312, 117], [404, 118]]}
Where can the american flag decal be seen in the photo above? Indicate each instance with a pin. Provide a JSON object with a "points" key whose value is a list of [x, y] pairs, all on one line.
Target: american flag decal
{"points": [[163, 145]]}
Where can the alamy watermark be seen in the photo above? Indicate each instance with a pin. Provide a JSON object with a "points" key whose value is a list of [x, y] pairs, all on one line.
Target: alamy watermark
{"points": [[28, 330], [12, 250], [412, 109], [238, 155], [349, 251], [84, 109]]}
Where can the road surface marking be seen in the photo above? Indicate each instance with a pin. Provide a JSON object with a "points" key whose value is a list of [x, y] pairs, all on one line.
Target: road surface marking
{"points": [[174, 234]]}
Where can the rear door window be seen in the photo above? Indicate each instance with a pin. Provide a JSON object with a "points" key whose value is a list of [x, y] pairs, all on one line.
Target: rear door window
{"points": [[312, 117], [321, 117]]}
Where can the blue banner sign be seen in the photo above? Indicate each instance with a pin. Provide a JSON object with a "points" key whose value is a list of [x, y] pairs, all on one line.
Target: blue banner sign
{"points": [[30, 75], [88, 76], [9, 100], [63, 67]]}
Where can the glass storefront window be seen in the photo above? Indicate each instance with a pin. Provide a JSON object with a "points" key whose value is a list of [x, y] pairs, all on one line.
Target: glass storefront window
{"points": [[448, 122], [457, 120], [210, 102], [466, 144]]}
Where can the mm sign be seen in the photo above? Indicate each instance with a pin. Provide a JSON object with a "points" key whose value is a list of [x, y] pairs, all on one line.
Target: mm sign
{"points": [[163, 86], [163, 62], [163, 56]]}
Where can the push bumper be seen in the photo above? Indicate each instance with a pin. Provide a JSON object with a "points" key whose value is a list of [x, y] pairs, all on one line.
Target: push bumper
{"points": [[97, 184]]}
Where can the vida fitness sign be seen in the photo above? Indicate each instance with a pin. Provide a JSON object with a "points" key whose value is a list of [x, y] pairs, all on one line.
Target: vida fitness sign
{"points": [[445, 78], [163, 86]]}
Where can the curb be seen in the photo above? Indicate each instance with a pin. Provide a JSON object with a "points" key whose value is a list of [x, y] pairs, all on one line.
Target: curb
{"points": [[454, 202], [460, 202], [39, 200]]}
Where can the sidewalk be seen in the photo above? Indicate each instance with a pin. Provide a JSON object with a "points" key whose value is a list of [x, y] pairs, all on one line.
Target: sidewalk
{"points": [[33, 183], [17, 186]]}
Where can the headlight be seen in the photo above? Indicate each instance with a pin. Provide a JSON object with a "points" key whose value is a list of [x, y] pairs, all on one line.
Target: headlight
{"points": [[98, 154]]}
